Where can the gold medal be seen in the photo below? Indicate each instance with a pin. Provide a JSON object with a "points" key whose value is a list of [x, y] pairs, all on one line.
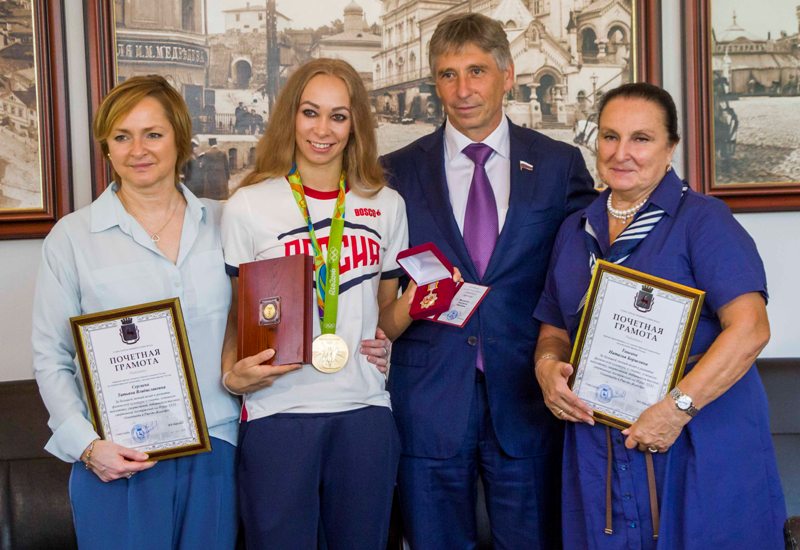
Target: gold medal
{"points": [[269, 312], [329, 353], [430, 297]]}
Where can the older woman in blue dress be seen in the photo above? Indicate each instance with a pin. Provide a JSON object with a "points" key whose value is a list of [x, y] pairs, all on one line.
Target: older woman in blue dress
{"points": [[714, 481]]}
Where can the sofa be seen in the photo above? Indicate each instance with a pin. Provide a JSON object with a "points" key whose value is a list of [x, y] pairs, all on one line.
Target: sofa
{"points": [[34, 505], [781, 379]]}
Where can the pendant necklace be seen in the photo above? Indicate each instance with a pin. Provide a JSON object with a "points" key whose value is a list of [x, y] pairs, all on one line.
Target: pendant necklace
{"points": [[154, 235]]}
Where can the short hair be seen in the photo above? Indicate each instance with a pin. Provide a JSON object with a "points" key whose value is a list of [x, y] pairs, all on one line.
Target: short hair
{"points": [[651, 93], [457, 30], [276, 148], [125, 96]]}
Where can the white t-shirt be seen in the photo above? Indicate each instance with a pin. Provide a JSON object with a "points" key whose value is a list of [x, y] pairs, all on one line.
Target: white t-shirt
{"points": [[263, 221]]}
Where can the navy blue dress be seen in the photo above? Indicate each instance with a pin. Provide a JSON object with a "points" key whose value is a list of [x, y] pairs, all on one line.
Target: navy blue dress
{"points": [[718, 485]]}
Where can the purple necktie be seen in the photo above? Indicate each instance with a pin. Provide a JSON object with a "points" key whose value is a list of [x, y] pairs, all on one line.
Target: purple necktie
{"points": [[480, 221]]}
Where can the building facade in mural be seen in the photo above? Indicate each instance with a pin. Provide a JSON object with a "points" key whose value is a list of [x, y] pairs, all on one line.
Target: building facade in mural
{"points": [[239, 54], [756, 100], [20, 178], [230, 78], [356, 44], [171, 39], [168, 38], [752, 65], [566, 53]]}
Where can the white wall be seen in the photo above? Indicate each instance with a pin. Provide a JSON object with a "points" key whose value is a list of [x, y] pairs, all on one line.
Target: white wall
{"points": [[19, 260], [775, 233]]}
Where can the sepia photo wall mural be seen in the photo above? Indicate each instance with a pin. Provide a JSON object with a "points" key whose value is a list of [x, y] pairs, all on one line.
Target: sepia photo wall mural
{"points": [[20, 174], [756, 97], [229, 58], [35, 177]]}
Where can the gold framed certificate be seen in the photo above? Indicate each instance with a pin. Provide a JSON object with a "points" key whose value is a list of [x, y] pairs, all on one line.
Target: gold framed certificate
{"points": [[632, 342], [139, 377]]}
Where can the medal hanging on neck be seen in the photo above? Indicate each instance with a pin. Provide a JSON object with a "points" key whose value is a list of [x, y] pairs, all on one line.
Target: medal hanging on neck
{"points": [[329, 352]]}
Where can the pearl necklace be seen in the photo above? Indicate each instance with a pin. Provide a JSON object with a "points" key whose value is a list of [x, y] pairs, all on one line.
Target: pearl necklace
{"points": [[624, 215]]}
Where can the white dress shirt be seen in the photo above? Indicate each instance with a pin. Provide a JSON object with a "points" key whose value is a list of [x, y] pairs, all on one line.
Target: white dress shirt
{"points": [[459, 168]]}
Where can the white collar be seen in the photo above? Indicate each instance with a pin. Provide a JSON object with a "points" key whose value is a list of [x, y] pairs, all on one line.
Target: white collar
{"points": [[498, 140]]}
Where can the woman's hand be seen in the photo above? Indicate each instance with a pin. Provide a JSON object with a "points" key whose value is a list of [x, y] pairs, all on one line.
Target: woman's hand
{"points": [[110, 461], [253, 373], [745, 332], [553, 376], [657, 428], [378, 350]]}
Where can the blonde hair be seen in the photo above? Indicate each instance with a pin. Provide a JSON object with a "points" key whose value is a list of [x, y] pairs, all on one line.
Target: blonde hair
{"points": [[276, 148], [125, 96]]}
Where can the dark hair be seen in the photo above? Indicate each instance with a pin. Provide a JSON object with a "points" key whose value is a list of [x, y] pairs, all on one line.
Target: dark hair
{"points": [[457, 30], [121, 100], [651, 93]]}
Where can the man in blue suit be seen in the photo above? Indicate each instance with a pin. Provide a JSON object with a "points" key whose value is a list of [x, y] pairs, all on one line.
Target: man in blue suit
{"points": [[466, 400]]}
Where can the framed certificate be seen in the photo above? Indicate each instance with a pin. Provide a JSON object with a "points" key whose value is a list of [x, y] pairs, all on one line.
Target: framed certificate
{"points": [[632, 342], [140, 381]]}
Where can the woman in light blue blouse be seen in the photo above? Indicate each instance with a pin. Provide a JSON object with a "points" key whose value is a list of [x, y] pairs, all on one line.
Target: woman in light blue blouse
{"points": [[146, 238]]}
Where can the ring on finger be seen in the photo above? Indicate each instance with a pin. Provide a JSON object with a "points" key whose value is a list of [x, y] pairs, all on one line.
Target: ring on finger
{"points": [[560, 412], [129, 475], [652, 449]]}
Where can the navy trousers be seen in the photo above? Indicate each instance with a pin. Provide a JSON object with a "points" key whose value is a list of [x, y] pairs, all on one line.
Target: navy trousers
{"points": [[309, 480], [183, 503], [438, 496]]}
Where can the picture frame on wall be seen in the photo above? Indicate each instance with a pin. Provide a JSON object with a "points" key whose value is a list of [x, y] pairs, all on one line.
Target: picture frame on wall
{"points": [[743, 102], [229, 59], [35, 173]]}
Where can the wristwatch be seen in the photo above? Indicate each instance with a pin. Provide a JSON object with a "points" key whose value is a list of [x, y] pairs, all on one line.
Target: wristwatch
{"points": [[683, 402]]}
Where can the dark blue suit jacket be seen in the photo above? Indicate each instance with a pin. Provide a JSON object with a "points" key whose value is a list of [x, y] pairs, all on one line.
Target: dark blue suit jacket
{"points": [[432, 376]]}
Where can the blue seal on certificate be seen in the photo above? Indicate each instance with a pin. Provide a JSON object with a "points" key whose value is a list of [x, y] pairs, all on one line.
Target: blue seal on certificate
{"points": [[140, 433], [451, 315], [604, 393]]}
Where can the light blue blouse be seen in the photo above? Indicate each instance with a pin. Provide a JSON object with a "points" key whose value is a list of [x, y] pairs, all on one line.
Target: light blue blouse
{"points": [[99, 258]]}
